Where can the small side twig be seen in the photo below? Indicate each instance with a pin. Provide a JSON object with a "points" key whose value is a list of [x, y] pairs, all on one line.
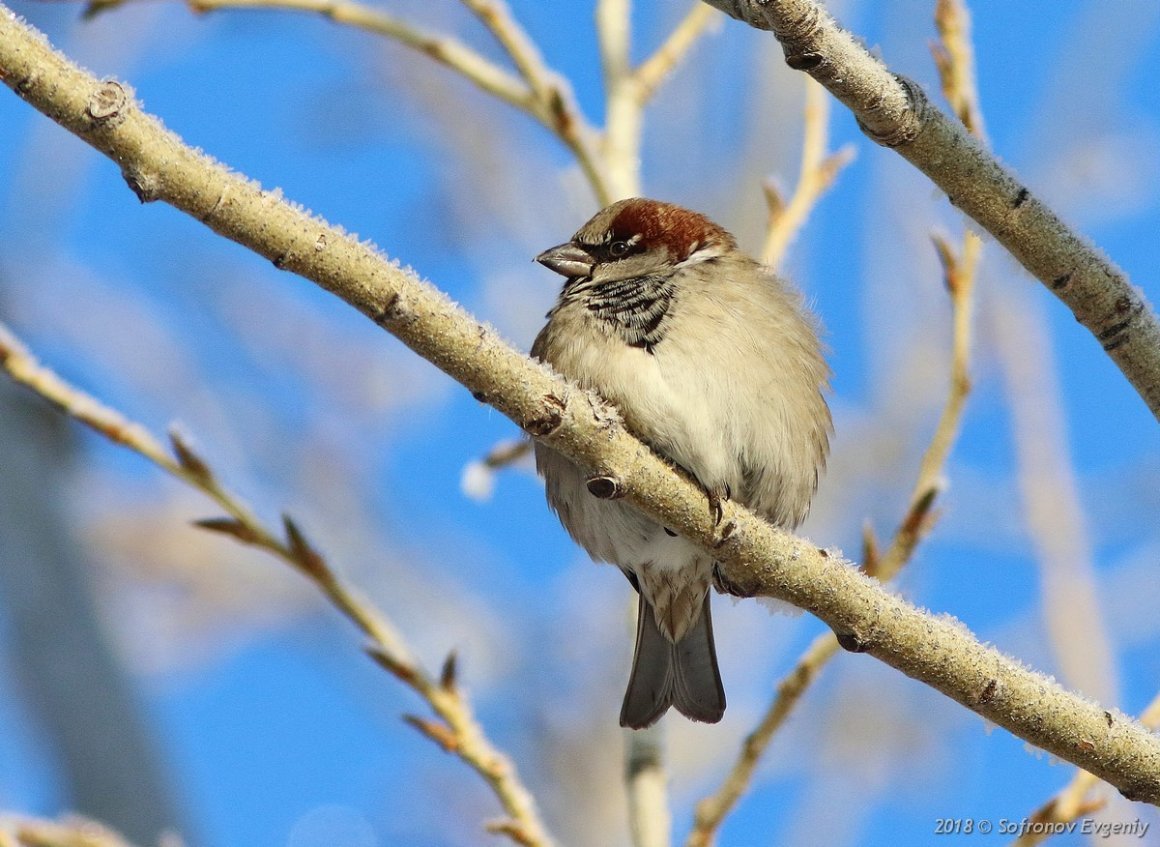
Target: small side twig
{"points": [[955, 59], [654, 70], [445, 49], [818, 172], [459, 732], [554, 105]]}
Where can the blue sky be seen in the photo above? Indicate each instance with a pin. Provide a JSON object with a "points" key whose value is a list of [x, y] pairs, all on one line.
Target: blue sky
{"points": [[273, 726]]}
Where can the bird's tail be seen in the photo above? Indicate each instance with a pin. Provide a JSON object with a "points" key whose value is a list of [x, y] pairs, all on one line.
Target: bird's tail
{"points": [[666, 673]]}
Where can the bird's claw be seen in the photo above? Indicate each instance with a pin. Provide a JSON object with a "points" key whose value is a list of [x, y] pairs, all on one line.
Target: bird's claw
{"points": [[723, 584], [718, 495]]}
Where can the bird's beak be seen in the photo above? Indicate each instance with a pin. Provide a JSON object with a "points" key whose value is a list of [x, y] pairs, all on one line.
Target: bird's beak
{"points": [[567, 260]]}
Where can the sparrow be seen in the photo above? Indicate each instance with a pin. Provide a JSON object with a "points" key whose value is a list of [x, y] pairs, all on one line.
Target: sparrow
{"points": [[714, 362]]}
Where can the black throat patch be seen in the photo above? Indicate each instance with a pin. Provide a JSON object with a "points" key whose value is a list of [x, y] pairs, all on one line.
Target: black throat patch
{"points": [[636, 309]]}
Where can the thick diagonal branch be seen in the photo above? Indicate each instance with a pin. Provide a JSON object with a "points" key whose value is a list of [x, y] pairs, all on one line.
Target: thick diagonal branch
{"points": [[756, 558], [895, 113]]}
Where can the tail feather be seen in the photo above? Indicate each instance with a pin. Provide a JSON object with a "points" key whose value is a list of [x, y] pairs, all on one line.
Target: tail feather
{"points": [[664, 674], [698, 693]]}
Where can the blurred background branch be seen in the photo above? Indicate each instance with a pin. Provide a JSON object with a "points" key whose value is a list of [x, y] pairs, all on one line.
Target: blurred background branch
{"points": [[456, 729], [894, 113]]}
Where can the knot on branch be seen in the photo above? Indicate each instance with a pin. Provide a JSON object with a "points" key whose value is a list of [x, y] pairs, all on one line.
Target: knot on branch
{"points": [[106, 106], [394, 310], [988, 693], [1124, 314], [853, 642], [548, 418], [26, 84], [145, 185], [605, 487], [806, 61], [890, 124]]}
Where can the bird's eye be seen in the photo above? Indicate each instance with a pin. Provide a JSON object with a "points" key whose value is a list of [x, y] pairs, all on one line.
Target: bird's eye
{"points": [[618, 248]]}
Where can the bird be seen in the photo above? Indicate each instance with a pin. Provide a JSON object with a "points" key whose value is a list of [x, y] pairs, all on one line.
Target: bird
{"points": [[715, 363]]}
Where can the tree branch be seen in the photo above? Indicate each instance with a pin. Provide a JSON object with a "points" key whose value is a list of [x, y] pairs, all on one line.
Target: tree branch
{"points": [[623, 107], [537, 91], [444, 49], [818, 171], [895, 113], [649, 819], [756, 559], [456, 729], [72, 831], [650, 73]]}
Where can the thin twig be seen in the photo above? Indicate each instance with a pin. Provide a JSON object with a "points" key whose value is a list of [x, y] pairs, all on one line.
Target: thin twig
{"points": [[537, 91], [556, 107], [613, 34], [817, 174], [71, 831], [387, 646], [645, 781], [622, 110], [445, 49], [895, 113], [497, 17], [955, 59], [755, 558], [507, 452], [652, 72]]}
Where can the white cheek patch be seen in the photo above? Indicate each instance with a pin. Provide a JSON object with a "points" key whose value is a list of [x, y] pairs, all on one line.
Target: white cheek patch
{"points": [[698, 254]]}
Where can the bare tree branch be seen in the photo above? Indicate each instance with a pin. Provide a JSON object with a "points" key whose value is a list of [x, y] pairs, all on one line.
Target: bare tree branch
{"points": [[818, 171], [756, 558], [649, 819], [653, 71], [444, 49], [895, 113], [538, 91], [21, 831], [456, 729], [623, 107]]}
